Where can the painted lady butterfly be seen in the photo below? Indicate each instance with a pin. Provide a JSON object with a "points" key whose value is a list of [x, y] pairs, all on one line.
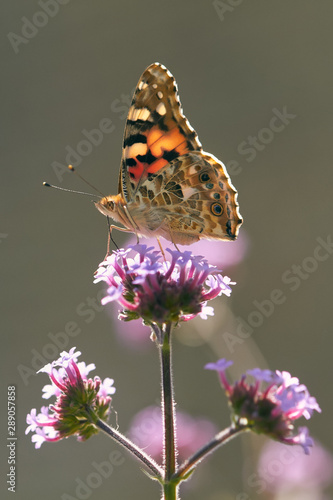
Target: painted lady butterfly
{"points": [[168, 186]]}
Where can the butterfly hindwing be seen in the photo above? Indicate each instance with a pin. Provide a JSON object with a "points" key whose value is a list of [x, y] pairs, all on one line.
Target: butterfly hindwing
{"points": [[191, 198], [156, 130]]}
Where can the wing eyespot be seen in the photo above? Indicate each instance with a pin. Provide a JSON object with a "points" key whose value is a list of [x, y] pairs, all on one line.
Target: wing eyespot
{"points": [[204, 177], [216, 209]]}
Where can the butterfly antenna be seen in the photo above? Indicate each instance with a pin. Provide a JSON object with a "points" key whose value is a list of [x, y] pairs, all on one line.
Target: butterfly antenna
{"points": [[72, 169], [46, 184]]}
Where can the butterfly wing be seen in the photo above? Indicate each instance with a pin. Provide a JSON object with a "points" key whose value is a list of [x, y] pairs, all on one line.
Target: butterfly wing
{"points": [[190, 199], [156, 130]]}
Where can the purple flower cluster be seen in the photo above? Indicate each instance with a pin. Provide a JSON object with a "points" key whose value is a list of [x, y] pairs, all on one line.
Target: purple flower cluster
{"points": [[271, 409], [78, 398], [160, 291]]}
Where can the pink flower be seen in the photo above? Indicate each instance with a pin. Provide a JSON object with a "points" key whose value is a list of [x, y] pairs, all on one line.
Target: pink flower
{"points": [[160, 291], [78, 401], [270, 404], [287, 470]]}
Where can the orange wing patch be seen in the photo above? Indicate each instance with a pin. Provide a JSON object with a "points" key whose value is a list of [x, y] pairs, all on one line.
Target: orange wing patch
{"points": [[161, 147], [160, 142]]}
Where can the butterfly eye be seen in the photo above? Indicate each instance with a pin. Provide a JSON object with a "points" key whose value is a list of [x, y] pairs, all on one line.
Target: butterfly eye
{"points": [[111, 205], [204, 177], [216, 209]]}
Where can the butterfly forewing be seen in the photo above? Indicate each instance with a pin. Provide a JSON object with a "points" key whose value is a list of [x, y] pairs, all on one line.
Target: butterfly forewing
{"points": [[156, 130]]}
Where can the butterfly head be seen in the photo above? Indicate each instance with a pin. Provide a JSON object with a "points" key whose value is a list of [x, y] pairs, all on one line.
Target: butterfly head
{"points": [[113, 206]]}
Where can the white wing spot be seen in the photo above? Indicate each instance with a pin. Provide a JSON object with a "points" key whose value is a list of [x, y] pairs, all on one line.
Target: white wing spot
{"points": [[188, 192], [138, 114], [161, 109], [131, 112], [159, 94], [136, 149], [142, 85], [193, 169], [144, 114]]}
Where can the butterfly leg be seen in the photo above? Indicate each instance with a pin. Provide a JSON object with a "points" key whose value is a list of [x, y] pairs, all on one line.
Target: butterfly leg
{"points": [[110, 227], [171, 238], [176, 246], [161, 248]]}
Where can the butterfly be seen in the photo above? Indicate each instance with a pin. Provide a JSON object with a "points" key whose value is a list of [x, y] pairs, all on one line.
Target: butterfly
{"points": [[168, 186]]}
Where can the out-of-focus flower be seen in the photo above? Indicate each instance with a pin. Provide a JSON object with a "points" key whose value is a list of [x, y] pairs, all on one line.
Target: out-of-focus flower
{"points": [[270, 404], [222, 254], [79, 401], [160, 291], [146, 430], [286, 470], [132, 334]]}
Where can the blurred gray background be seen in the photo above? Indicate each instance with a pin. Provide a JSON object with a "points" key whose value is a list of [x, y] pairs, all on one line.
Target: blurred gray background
{"points": [[237, 65]]}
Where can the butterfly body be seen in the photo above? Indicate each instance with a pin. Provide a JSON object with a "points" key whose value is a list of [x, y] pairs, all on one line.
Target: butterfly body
{"points": [[167, 185]]}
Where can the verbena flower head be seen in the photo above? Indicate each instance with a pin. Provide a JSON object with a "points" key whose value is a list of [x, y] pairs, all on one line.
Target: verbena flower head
{"points": [[270, 404], [160, 292], [80, 401]]}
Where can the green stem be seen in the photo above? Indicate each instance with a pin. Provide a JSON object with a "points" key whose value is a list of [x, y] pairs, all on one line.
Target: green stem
{"points": [[170, 491], [220, 439], [154, 468], [170, 487]]}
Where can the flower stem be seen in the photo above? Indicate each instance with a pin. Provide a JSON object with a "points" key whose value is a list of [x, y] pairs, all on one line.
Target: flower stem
{"points": [[220, 439], [154, 468], [170, 487]]}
